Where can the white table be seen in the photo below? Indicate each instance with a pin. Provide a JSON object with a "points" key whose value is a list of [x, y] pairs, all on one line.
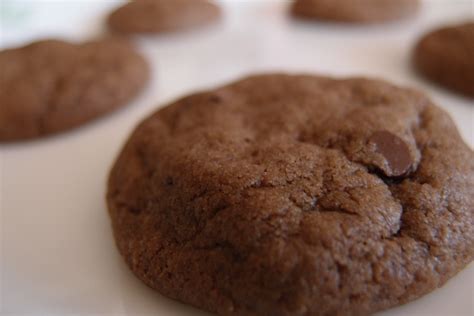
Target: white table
{"points": [[57, 252]]}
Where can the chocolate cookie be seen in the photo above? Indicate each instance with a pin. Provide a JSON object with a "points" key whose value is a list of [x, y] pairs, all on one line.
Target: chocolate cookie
{"points": [[445, 56], [295, 195], [157, 16], [355, 11], [51, 85]]}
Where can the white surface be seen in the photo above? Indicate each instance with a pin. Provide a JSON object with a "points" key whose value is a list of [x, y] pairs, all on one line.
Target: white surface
{"points": [[57, 252]]}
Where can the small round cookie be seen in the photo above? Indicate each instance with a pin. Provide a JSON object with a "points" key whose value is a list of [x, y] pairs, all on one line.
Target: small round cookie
{"points": [[355, 11], [51, 85], [295, 195], [446, 56], [160, 16]]}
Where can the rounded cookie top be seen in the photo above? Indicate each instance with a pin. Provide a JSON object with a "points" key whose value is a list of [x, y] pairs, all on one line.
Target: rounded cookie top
{"points": [[445, 56], [295, 195], [355, 11], [51, 85], [157, 16]]}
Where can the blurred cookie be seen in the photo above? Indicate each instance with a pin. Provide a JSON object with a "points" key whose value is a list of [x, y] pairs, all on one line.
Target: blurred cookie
{"points": [[355, 11], [446, 56], [295, 195], [159, 16], [51, 85]]}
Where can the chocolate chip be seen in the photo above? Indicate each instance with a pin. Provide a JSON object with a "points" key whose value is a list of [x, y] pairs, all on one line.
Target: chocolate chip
{"points": [[395, 151]]}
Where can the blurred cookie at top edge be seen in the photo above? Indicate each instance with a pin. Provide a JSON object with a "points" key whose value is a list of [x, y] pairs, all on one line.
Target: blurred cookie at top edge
{"points": [[162, 16], [446, 56], [355, 11]]}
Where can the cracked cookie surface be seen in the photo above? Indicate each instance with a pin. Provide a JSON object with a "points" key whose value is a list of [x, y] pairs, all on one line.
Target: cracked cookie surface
{"points": [[295, 195], [51, 85]]}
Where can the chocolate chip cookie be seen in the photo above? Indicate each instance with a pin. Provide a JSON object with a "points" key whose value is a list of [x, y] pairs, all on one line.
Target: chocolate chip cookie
{"points": [[51, 85], [295, 195], [160, 16], [355, 11], [445, 56]]}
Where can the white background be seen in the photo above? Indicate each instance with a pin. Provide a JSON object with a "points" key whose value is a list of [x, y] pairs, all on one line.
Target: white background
{"points": [[57, 252]]}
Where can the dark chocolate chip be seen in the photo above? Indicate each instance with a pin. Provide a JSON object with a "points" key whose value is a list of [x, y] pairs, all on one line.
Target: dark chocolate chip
{"points": [[395, 151]]}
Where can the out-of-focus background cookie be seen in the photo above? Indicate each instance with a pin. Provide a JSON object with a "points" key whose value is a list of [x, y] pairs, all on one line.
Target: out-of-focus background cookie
{"points": [[57, 254]]}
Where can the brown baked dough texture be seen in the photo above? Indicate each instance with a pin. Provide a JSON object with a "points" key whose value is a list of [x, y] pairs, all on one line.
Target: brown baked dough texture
{"points": [[51, 85], [159, 16], [295, 195], [446, 56], [355, 11]]}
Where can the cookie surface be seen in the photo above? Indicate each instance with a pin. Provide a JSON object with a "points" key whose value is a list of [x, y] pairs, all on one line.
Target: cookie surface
{"points": [[355, 11], [157, 16], [295, 195], [445, 56], [50, 86]]}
